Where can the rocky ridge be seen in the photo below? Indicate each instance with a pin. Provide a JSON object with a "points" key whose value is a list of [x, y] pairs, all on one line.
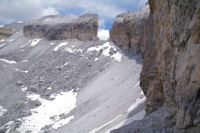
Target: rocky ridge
{"points": [[170, 77], [132, 38], [84, 27]]}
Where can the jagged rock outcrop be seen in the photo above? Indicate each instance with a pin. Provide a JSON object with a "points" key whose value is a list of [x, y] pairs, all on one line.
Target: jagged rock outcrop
{"points": [[170, 77], [129, 29], [84, 27], [9, 29], [5, 33]]}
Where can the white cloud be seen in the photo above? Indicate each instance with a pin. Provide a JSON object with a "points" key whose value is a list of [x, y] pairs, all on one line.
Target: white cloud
{"points": [[49, 11], [13, 10], [103, 34]]}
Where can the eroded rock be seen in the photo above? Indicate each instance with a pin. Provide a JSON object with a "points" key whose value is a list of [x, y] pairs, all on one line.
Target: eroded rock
{"points": [[170, 77], [84, 27], [130, 29]]}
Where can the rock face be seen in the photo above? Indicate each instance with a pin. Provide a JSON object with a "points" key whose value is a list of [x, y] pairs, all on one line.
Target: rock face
{"points": [[9, 29], [129, 29], [84, 27], [5, 33], [170, 77]]}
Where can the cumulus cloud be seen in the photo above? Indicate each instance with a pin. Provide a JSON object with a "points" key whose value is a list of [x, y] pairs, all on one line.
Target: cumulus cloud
{"points": [[49, 11], [13, 10]]}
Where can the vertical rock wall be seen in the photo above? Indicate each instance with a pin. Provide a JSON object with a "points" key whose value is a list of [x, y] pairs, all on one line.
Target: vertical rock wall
{"points": [[129, 30], [170, 77]]}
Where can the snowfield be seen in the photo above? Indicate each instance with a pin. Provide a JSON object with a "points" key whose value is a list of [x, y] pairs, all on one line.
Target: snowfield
{"points": [[49, 112]]}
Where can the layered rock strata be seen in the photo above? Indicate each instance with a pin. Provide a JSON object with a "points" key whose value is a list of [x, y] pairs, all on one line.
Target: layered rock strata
{"points": [[129, 29], [170, 77], [83, 28]]}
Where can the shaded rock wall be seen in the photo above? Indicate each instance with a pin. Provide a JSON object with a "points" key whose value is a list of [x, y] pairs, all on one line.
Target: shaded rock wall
{"points": [[84, 27], [176, 41], [129, 29], [170, 77]]}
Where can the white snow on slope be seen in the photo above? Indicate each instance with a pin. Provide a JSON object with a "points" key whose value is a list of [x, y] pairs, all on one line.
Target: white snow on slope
{"points": [[1, 26], [138, 116], [7, 126], [106, 47], [2, 111], [24, 89], [2, 45], [103, 34], [49, 112], [69, 50], [60, 45], [117, 56], [8, 61], [136, 104], [34, 42], [18, 70], [52, 43], [104, 125]]}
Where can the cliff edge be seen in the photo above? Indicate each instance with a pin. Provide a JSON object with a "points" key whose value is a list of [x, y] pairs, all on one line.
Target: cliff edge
{"points": [[170, 77], [83, 28]]}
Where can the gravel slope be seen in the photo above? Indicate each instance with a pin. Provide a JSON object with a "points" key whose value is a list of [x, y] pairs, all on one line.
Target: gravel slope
{"points": [[103, 80]]}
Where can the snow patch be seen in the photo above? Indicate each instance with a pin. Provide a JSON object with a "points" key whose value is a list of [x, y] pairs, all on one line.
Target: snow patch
{"points": [[69, 50], [62, 122], [2, 45], [136, 104], [44, 115], [24, 89], [96, 59], [8, 61], [11, 40], [52, 43], [18, 70], [2, 111], [117, 56], [138, 116], [60, 45], [1, 26], [7, 126], [34, 42], [136, 84], [49, 88], [106, 47], [2, 40], [104, 125], [103, 34], [66, 63]]}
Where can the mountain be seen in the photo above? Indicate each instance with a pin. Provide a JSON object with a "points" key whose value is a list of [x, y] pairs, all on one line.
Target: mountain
{"points": [[170, 75], [57, 76], [62, 74]]}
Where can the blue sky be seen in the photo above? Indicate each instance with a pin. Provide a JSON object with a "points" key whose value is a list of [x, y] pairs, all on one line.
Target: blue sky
{"points": [[15, 10]]}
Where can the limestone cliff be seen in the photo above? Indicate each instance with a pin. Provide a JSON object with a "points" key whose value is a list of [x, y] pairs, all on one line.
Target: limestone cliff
{"points": [[84, 27], [170, 77], [129, 29]]}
